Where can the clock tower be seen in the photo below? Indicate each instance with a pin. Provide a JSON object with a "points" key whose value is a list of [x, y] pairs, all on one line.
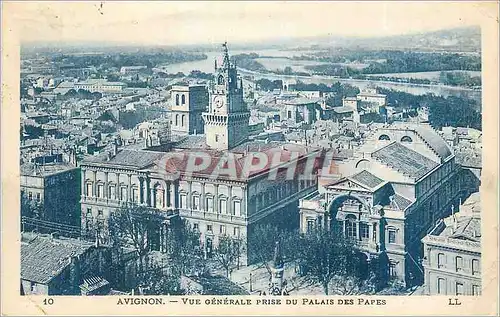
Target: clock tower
{"points": [[226, 121]]}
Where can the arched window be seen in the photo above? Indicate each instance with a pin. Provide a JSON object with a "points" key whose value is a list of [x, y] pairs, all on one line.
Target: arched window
{"points": [[363, 164], [196, 202], [222, 205], [384, 137], [176, 100], [177, 119], [441, 260], [183, 99], [182, 119], [220, 80], [406, 139]]}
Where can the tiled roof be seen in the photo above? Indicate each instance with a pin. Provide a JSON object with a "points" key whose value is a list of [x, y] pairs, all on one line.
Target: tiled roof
{"points": [[404, 160], [367, 178], [92, 283], [44, 258], [399, 202], [302, 101], [343, 109], [191, 142], [128, 158], [30, 169]]}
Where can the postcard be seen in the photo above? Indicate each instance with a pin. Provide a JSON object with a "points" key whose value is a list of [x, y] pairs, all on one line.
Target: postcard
{"points": [[249, 158]]}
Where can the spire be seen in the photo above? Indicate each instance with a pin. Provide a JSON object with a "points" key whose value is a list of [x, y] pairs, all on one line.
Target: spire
{"points": [[225, 62]]}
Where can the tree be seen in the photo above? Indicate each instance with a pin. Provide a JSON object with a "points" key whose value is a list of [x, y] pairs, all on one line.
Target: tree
{"points": [[131, 226], [261, 243], [154, 281], [227, 252], [185, 250], [325, 254]]}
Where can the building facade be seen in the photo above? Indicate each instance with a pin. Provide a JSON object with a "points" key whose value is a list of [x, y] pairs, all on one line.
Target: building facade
{"points": [[452, 250], [388, 195], [55, 189], [187, 105]]}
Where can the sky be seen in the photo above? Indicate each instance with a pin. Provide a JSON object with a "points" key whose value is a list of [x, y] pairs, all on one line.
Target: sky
{"points": [[170, 23]]}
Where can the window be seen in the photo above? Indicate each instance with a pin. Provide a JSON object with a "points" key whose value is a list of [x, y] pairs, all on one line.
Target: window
{"points": [[177, 119], [392, 269], [135, 194], [350, 228], [183, 201], [222, 206], [476, 290], [364, 230], [406, 139], [236, 208], [441, 286], [475, 267], [209, 204], [209, 228], [216, 138], [100, 190], [176, 102], [459, 263], [112, 192], [38, 197], [196, 202], [459, 289], [195, 227], [236, 231], [32, 287], [222, 229], [183, 99], [441, 260], [384, 137], [183, 118], [30, 195], [289, 114], [123, 193], [392, 236], [310, 225]]}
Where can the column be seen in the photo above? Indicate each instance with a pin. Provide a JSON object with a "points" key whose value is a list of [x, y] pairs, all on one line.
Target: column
{"points": [[148, 191], [176, 195], [358, 224], [106, 188], [229, 208], [190, 195], [83, 176], [141, 190], [129, 187], [370, 232], [118, 190], [243, 206], [343, 226], [168, 194], [216, 199], [94, 184], [202, 197]]}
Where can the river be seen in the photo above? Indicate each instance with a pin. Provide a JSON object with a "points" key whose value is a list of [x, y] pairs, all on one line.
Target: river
{"points": [[207, 66]]}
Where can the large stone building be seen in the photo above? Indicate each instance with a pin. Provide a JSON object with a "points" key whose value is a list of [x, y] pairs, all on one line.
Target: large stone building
{"points": [[388, 195], [452, 251], [224, 196], [187, 105], [54, 190]]}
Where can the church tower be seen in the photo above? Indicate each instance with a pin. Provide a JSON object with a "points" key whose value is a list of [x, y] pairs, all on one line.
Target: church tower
{"points": [[226, 121]]}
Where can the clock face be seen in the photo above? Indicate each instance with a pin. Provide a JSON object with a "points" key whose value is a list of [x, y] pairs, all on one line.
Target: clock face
{"points": [[219, 102]]}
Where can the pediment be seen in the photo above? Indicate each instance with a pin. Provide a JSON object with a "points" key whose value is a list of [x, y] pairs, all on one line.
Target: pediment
{"points": [[349, 184]]}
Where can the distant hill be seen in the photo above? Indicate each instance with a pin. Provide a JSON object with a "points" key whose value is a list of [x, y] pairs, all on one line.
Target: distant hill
{"points": [[467, 39]]}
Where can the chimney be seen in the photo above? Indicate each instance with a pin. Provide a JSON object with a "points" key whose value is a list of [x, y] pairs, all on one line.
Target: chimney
{"points": [[115, 148]]}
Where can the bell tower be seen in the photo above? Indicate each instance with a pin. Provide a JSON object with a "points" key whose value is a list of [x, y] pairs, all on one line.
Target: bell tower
{"points": [[226, 121]]}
